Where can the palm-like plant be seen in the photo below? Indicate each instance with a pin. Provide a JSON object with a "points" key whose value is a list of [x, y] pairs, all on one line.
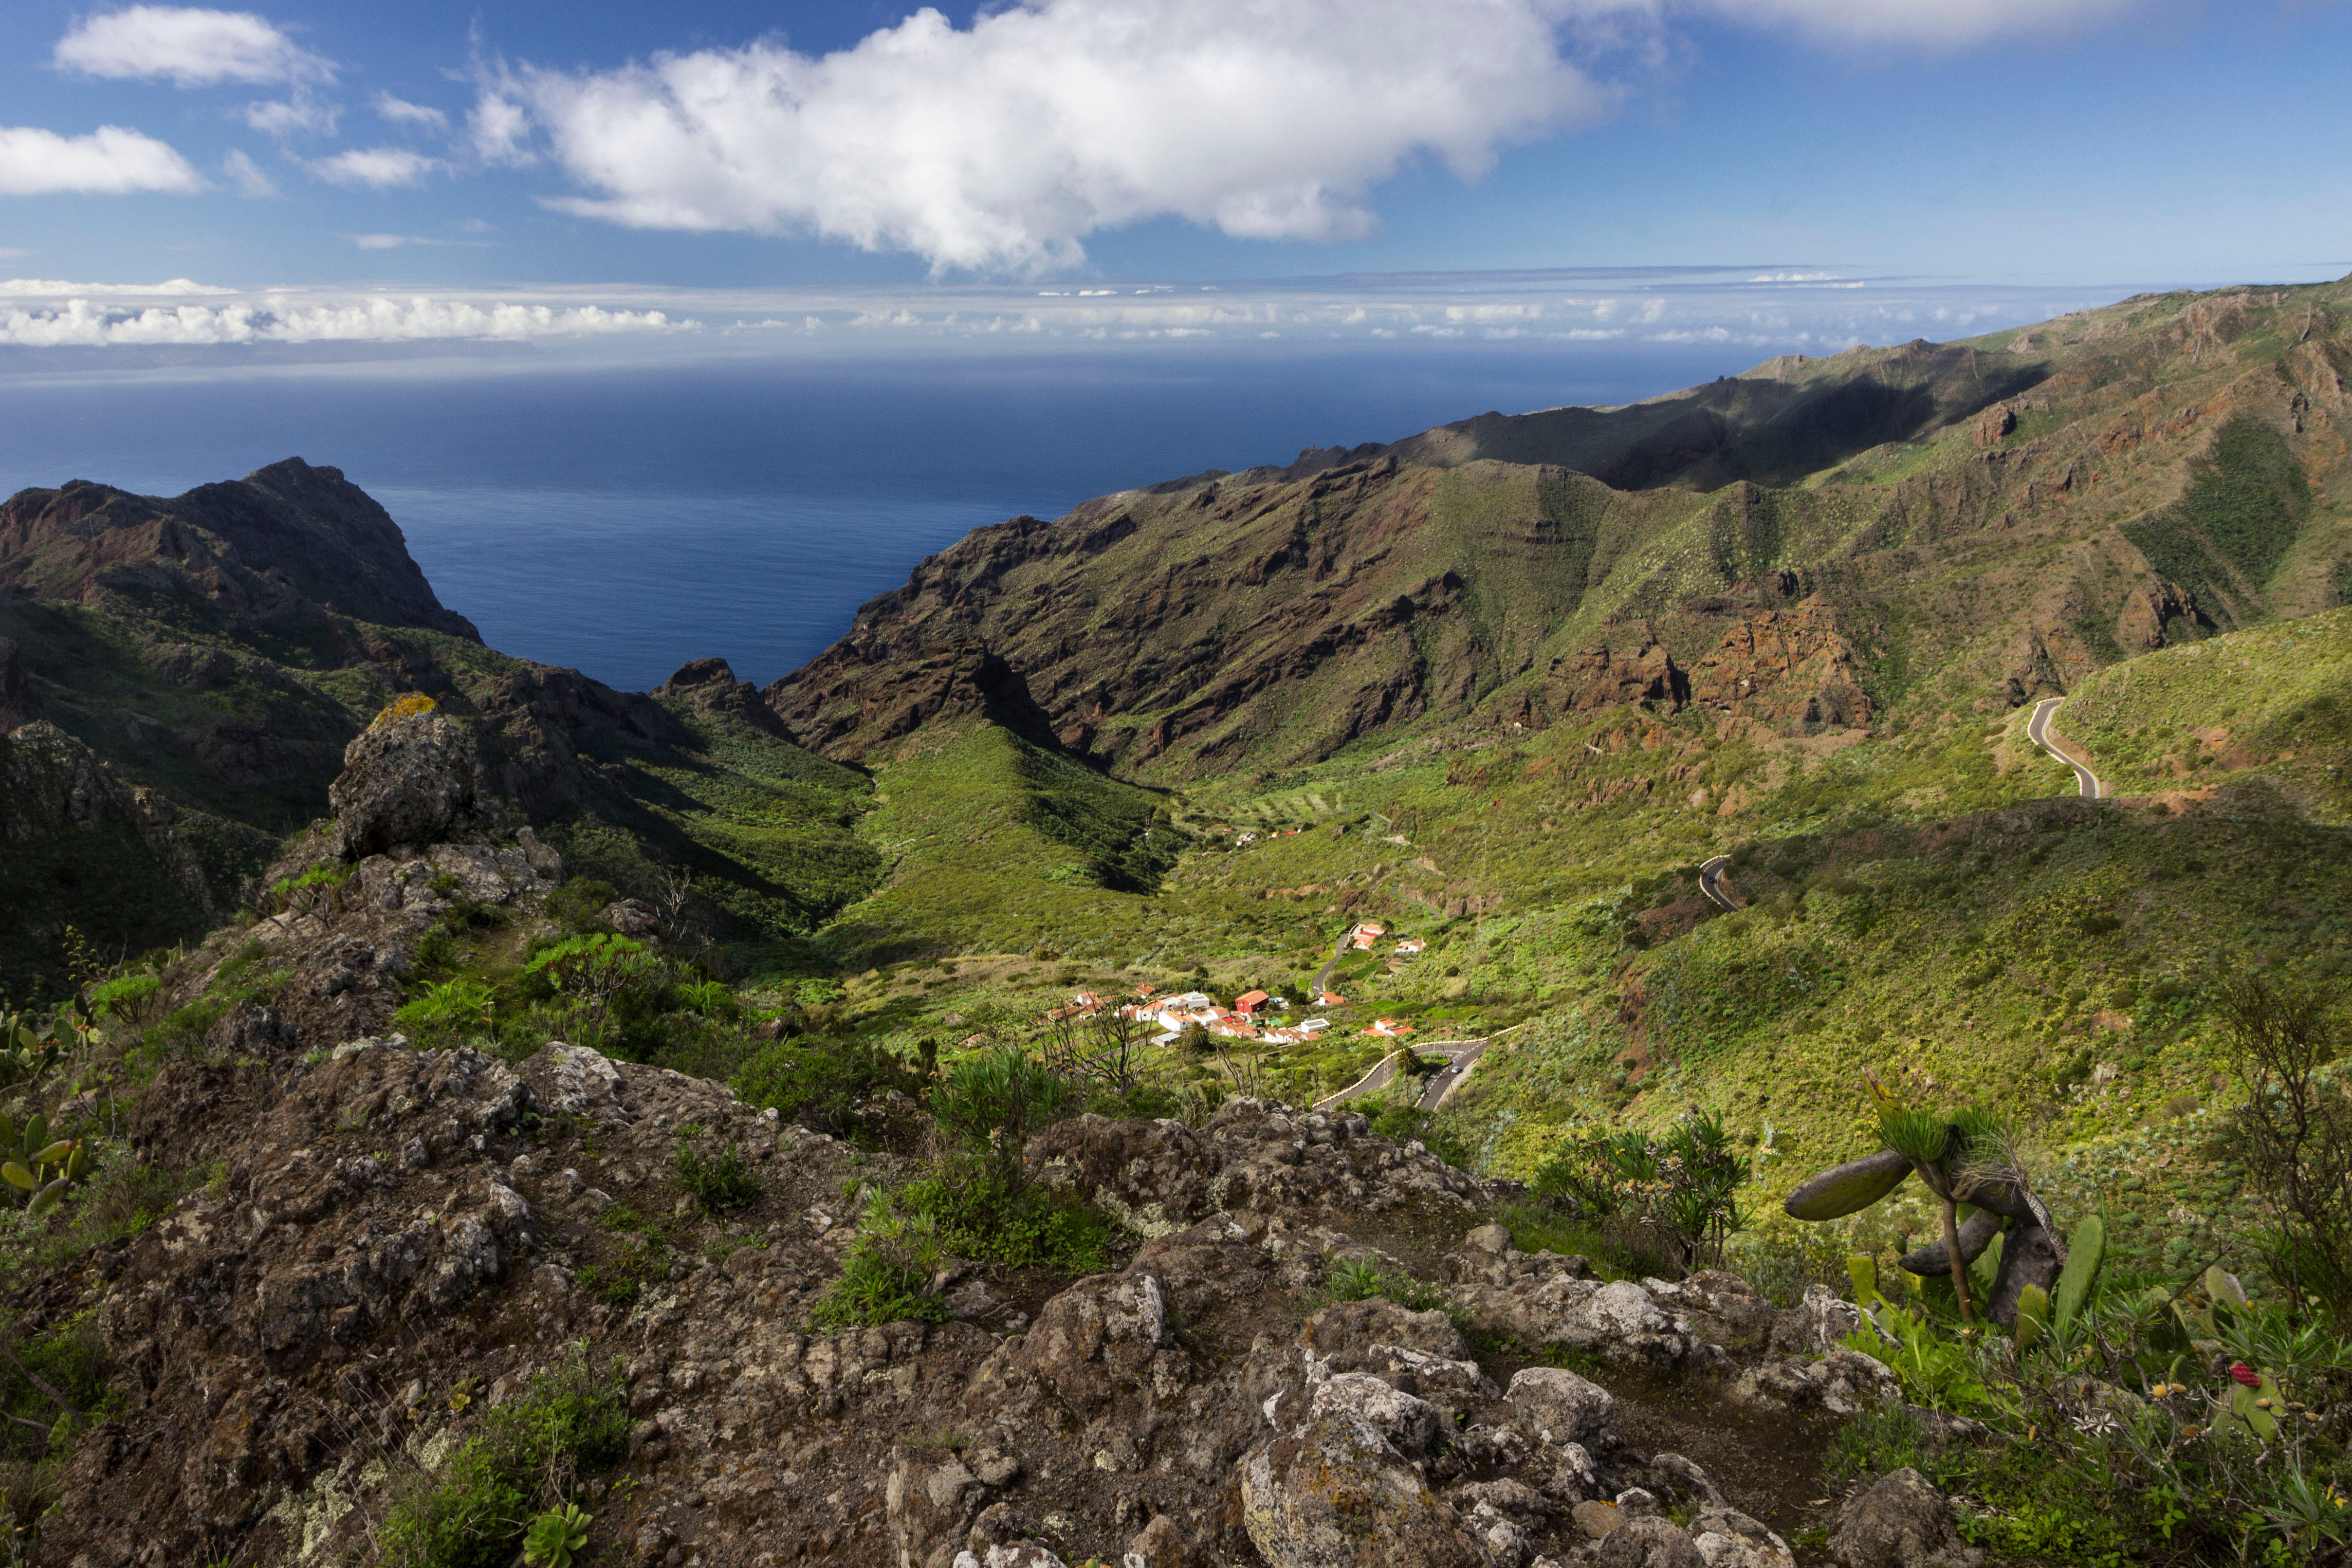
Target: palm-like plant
{"points": [[1970, 1155]]}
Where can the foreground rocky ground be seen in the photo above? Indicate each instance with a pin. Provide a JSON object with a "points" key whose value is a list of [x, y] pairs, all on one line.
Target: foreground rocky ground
{"points": [[395, 1227], [395, 1243]]}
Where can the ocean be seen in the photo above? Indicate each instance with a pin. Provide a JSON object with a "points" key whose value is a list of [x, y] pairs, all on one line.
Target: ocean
{"points": [[623, 520]]}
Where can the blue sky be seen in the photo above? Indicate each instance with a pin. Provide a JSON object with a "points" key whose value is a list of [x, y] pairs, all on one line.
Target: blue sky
{"points": [[734, 163]]}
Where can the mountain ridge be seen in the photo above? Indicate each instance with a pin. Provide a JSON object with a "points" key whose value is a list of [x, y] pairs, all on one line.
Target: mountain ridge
{"points": [[2013, 505]]}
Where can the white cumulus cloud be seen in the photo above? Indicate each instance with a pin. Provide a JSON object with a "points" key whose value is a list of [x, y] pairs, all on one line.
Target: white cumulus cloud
{"points": [[379, 167], [282, 117], [189, 46], [1002, 145], [400, 112], [108, 161]]}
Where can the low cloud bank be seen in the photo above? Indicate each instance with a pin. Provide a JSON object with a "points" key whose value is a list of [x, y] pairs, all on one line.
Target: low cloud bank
{"points": [[82, 321]]}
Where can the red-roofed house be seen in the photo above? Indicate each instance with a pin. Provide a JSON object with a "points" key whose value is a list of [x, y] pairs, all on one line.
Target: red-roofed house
{"points": [[1390, 1027], [1250, 1002], [1331, 1000]]}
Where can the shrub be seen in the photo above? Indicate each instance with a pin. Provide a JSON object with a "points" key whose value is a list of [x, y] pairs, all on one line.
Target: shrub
{"points": [[597, 970], [1667, 1205], [1361, 1279], [976, 1218], [313, 891], [887, 1275], [579, 905], [455, 1007], [717, 1182], [2294, 1132], [993, 1102], [132, 999], [2140, 1429], [475, 1513], [709, 998], [823, 1086]]}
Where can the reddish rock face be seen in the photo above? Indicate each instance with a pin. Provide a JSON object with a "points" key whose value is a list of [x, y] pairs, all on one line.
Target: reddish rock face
{"points": [[1789, 668]]}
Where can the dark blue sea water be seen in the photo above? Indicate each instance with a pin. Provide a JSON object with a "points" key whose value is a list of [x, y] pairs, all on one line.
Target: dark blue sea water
{"points": [[622, 522]]}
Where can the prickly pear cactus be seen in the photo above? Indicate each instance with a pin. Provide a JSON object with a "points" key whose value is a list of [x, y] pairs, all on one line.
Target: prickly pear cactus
{"points": [[2032, 1317], [2254, 1405], [2085, 1251]]}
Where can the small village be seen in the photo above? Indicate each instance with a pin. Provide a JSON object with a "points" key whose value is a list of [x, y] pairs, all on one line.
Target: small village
{"points": [[1254, 1015]]}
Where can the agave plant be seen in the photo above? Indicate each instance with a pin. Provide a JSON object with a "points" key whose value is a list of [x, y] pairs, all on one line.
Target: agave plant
{"points": [[1968, 1156]]}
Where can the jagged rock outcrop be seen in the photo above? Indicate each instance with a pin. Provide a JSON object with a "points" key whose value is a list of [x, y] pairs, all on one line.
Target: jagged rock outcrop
{"points": [[1638, 671], [1790, 669], [966, 680], [288, 539], [710, 686], [406, 781]]}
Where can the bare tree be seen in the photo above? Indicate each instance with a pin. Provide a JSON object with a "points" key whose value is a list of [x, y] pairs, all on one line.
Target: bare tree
{"points": [[1103, 1052]]}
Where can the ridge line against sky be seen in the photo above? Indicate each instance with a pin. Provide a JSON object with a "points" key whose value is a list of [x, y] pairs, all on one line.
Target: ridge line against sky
{"points": [[737, 142]]}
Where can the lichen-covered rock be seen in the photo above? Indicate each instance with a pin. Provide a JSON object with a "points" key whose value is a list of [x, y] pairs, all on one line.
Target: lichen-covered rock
{"points": [[1557, 1406], [1101, 1339], [1617, 1321], [1649, 1542], [1335, 1495], [1408, 1423], [1901, 1523], [1843, 1383], [405, 781], [1726, 1538]]}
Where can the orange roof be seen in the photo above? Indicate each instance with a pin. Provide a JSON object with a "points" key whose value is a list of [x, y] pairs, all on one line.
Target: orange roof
{"points": [[1251, 998]]}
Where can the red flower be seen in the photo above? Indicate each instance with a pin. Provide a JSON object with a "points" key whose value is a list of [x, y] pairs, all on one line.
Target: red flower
{"points": [[2239, 1370]]}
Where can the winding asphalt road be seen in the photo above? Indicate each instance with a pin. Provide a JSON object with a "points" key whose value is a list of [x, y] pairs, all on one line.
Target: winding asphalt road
{"points": [[1323, 974], [1461, 1056], [1709, 881], [2037, 730]]}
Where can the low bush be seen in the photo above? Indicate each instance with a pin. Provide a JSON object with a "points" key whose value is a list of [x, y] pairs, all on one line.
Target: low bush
{"points": [[995, 1102], [823, 1085], [579, 905], [128, 998], [716, 1181], [886, 1278], [447, 1012], [975, 1216], [1361, 1279], [526, 1457], [2143, 1428], [1667, 1205]]}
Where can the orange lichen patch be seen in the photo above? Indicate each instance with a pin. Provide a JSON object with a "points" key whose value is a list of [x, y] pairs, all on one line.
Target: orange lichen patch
{"points": [[407, 705]]}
